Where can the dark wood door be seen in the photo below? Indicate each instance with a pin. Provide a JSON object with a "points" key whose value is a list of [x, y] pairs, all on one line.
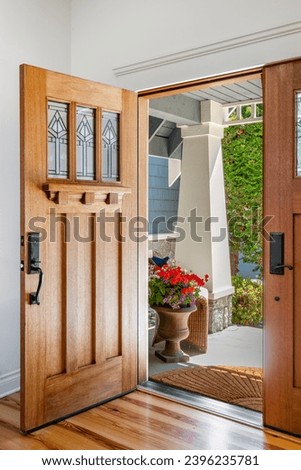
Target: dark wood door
{"points": [[78, 196], [282, 204]]}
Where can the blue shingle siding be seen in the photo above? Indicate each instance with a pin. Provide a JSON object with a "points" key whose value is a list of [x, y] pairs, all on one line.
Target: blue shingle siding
{"points": [[163, 201]]}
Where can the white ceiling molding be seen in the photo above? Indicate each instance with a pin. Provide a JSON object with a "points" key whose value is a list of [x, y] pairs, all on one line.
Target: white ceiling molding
{"points": [[214, 48]]}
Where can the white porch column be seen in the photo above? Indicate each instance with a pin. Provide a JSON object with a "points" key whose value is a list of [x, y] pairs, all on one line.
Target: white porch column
{"points": [[205, 247]]}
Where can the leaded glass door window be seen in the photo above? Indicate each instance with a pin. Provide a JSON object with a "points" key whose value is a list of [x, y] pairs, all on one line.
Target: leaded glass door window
{"points": [[110, 146], [58, 146], [83, 143], [298, 133]]}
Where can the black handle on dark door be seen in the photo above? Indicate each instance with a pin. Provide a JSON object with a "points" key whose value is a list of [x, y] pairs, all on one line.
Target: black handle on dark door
{"points": [[277, 264], [33, 265]]}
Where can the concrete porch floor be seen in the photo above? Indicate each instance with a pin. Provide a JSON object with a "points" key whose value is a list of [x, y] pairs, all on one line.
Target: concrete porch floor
{"points": [[234, 346]]}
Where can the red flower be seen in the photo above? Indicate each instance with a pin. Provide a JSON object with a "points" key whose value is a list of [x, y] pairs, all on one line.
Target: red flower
{"points": [[173, 286], [187, 290]]}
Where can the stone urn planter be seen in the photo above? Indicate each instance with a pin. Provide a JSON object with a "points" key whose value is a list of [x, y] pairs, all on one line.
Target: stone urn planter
{"points": [[173, 328]]}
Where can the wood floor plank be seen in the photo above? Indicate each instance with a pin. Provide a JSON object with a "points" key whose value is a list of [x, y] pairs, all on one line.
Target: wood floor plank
{"points": [[119, 432], [139, 420], [65, 436], [280, 441], [10, 436], [10, 415], [187, 426], [12, 439]]}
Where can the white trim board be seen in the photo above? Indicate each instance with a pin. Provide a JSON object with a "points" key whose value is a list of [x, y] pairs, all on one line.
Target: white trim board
{"points": [[9, 383], [214, 48]]}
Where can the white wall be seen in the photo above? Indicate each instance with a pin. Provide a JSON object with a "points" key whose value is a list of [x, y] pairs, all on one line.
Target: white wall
{"points": [[156, 42], [35, 32]]}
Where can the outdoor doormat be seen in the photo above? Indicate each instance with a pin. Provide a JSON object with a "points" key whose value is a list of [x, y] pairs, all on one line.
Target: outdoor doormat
{"points": [[236, 385]]}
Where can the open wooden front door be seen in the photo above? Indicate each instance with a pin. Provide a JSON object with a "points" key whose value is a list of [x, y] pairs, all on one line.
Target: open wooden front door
{"points": [[79, 200], [282, 202]]}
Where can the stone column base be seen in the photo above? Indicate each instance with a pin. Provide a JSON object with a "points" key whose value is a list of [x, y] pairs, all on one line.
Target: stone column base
{"points": [[163, 247], [220, 313]]}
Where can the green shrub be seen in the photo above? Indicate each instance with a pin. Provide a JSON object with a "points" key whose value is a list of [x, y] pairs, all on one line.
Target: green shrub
{"points": [[246, 302]]}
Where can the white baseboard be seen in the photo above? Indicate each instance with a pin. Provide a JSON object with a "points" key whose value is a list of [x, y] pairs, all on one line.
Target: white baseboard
{"points": [[9, 383]]}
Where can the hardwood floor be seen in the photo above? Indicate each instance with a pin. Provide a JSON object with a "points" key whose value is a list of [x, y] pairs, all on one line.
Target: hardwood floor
{"points": [[138, 421]]}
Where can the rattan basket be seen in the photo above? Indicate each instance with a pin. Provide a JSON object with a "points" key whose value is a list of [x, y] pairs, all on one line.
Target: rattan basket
{"points": [[197, 340]]}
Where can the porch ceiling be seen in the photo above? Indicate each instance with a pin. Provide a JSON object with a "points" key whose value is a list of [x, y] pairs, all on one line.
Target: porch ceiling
{"points": [[167, 114], [231, 93]]}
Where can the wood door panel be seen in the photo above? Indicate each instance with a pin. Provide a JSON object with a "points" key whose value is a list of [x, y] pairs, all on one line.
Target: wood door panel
{"points": [[84, 290], [296, 408], [95, 383], [297, 302], [79, 346], [81, 91], [57, 311], [112, 289], [282, 196]]}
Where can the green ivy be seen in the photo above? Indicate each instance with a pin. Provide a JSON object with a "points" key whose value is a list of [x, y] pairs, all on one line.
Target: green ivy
{"points": [[242, 153], [246, 302]]}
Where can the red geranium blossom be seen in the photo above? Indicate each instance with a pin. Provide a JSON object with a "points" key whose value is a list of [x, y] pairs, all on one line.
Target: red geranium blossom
{"points": [[173, 286]]}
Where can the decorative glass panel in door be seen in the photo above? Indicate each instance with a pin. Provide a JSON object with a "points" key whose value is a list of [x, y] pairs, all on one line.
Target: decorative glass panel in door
{"points": [[298, 133], [85, 143], [58, 118], [110, 147]]}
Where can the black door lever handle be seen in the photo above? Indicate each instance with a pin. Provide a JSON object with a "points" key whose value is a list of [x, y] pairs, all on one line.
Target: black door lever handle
{"points": [[33, 264], [34, 298], [282, 266]]}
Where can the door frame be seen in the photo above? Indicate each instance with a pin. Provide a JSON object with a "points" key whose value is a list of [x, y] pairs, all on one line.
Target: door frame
{"points": [[143, 114]]}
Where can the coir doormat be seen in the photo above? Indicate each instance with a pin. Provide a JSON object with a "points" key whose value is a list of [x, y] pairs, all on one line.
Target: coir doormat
{"points": [[236, 385]]}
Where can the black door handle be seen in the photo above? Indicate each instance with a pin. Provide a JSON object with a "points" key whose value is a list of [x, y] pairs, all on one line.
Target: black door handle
{"points": [[34, 298], [33, 265], [277, 264], [282, 266]]}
